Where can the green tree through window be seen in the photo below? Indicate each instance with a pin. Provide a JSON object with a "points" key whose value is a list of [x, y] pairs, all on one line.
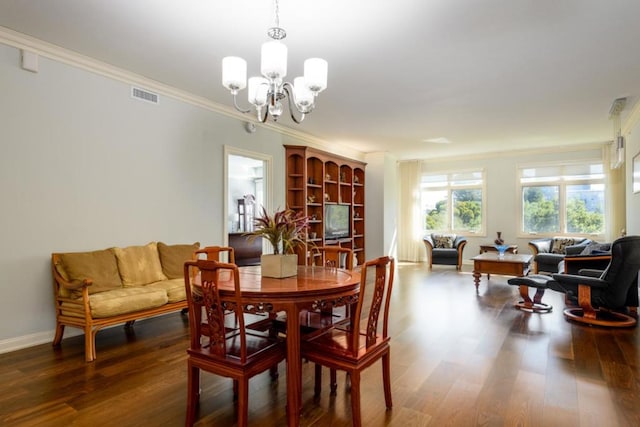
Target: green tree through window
{"points": [[453, 202], [563, 198], [467, 210], [541, 210]]}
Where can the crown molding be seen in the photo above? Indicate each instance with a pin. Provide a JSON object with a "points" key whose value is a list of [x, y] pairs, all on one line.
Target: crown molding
{"points": [[632, 119], [516, 153], [56, 53]]}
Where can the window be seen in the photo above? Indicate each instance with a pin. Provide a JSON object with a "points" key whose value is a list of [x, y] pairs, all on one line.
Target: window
{"points": [[566, 198], [453, 202]]}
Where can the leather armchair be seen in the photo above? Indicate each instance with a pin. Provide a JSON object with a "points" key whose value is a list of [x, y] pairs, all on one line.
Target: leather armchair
{"points": [[547, 257], [608, 300], [445, 256]]}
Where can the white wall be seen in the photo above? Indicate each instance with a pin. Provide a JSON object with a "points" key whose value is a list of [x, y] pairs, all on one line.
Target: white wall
{"points": [[83, 166], [633, 200], [381, 199]]}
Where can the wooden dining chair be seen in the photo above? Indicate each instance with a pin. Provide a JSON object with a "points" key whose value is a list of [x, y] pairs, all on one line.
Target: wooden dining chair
{"points": [[213, 253], [257, 321], [332, 256], [237, 353], [326, 256], [350, 348]]}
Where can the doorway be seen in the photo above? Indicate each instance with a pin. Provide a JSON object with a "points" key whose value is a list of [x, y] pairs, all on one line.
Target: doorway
{"points": [[247, 190]]}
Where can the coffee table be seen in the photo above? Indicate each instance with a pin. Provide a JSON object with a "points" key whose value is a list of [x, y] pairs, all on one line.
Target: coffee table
{"points": [[492, 263], [510, 265]]}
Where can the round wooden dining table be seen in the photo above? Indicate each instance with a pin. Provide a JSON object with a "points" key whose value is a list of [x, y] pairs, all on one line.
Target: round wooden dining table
{"points": [[313, 288]]}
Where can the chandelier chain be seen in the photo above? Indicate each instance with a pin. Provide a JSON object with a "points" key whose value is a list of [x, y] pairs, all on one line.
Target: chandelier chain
{"points": [[276, 7], [276, 32]]}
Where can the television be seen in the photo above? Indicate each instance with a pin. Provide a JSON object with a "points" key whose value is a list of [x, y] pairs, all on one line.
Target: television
{"points": [[337, 221]]}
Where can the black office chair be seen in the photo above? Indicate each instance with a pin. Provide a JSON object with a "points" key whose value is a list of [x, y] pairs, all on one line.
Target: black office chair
{"points": [[608, 300]]}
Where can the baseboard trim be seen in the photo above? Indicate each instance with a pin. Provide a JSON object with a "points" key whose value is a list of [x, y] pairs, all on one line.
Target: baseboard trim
{"points": [[18, 343]]}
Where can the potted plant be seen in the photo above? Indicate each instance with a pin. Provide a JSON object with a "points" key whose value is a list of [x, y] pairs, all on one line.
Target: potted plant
{"points": [[285, 230]]}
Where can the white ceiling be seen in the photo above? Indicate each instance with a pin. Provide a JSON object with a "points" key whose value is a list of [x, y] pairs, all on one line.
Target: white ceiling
{"points": [[488, 75]]}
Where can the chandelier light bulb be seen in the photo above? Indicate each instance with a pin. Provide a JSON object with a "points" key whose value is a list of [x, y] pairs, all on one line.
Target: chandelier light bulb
{"points": [[234, 73], [303, 96], [258, 89], [274, 60], [315, 74]]}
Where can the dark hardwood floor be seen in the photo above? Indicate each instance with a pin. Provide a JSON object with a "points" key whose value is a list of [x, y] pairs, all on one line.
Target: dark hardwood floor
{"points": [[458, 357]]}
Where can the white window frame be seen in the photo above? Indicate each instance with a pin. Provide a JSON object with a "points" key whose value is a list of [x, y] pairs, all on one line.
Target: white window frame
{"points": [[561, 181], [449, 186]]}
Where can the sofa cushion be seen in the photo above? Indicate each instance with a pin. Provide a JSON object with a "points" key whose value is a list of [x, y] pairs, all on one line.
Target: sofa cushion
{"points": [[172, 258], [560, 243], [122, 301], [594, 248], [139, 265], [445, 253], [99, 266], [174, 288], [443, 240]]}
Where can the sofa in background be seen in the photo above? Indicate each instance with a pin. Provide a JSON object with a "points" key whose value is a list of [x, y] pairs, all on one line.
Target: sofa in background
{"points": [[444, 249], [594, 256], [549, 252], [117, 285]]}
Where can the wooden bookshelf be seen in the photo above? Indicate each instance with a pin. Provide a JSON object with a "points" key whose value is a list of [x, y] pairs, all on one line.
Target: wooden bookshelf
{"points": [[315, 179]]}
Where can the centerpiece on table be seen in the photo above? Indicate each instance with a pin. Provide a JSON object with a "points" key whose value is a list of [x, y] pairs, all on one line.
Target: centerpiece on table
{"points": [[285, 230]]}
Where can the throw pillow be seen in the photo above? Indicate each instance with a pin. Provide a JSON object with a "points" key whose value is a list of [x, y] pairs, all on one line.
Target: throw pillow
{"points": [[560, 243], [444, 241], [99, 266], [596, 249], [139, 265], [172, 258]]}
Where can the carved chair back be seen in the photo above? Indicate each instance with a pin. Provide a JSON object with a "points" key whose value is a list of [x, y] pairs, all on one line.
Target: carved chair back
{"points": [[206, 296], [213, 253], [334, 256], [374, 302]]}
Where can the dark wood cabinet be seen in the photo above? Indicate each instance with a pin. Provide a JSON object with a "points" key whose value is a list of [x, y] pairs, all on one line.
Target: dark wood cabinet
{"points": [[246, 253]]}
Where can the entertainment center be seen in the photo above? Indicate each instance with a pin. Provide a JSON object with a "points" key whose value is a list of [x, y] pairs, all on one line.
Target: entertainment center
{"points": [[330, 190]]}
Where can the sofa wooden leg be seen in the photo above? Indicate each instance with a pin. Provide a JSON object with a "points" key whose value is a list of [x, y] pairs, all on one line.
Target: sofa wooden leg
{"points": [[89, 344], [57, 339]]}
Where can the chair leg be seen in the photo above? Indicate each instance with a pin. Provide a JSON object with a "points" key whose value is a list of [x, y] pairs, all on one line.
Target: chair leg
{"points": [[317, 384], [193, 394], [273, 372], [243, 402], [355, 399], [333, 382], [59, 333], [89, 344], [386, 379], [235, 390]]}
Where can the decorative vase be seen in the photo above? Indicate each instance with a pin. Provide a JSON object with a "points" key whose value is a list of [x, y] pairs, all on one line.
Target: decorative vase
{"points": [[499, 240], [279, 266]]}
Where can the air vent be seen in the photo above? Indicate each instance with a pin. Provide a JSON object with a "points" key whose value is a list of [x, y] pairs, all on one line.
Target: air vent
{"points": [[144, 95]]}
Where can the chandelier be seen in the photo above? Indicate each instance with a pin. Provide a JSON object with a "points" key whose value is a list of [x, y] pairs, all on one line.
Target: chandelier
{"points": [[268, 92]]}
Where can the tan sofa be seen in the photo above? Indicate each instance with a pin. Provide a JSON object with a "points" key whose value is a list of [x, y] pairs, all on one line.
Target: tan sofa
{"points": [[117, 285]]}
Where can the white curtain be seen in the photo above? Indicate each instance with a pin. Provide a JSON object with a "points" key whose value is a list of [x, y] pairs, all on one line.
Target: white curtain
{"points": [[616, 202], [410, 246]]}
